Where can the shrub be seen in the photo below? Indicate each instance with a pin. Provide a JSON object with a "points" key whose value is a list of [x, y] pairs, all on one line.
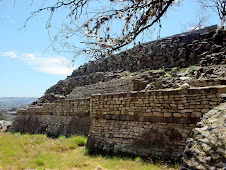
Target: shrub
{"points": [[79, 140]]}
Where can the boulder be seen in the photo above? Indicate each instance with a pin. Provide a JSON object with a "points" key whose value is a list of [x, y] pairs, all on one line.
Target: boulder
{"points": [[206, 149]]}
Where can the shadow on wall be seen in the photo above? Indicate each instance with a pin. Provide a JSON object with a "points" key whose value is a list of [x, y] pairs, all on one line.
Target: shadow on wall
{"points": [[153, 138], [53, 126]]}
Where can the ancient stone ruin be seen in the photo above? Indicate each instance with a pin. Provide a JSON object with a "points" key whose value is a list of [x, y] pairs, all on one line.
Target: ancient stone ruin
{"points": [[145, 101]]}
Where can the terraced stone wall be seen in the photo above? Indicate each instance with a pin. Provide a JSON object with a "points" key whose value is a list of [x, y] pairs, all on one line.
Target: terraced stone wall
{"points": [[208, 82], [183, 50], [154, 123], [64, 117], [180, 50], [113, 86]]}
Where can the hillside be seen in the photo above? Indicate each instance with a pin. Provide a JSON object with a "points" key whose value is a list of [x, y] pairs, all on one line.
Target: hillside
{"points": [[183, 50]]}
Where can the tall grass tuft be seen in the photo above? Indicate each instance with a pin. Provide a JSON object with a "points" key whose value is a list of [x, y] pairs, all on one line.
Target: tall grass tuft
{"points": [[79, 140]]}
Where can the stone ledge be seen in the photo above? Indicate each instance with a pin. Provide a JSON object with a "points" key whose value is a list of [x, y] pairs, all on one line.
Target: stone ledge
{"points": [[165, 92], [151, 119]]}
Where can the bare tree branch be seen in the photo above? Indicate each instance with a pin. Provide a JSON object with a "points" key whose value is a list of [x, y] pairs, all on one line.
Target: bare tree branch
{"points": [[96, 31]]}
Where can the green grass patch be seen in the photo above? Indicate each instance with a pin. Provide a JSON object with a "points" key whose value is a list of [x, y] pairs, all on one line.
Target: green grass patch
{"points": [[24, 151], [192, 68]]}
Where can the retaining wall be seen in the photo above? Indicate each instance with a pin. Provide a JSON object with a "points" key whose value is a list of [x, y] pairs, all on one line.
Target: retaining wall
{"points": [[149, 123], [64, 117], [116, 86], [207, 82]]}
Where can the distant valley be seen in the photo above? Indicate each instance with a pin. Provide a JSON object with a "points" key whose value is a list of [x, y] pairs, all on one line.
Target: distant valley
{"points": [[10, 105], [9, 102]]}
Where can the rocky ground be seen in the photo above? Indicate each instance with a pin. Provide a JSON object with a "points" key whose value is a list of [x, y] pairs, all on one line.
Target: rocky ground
{"points": [[207, 147], [147, 79], [176, 77]]}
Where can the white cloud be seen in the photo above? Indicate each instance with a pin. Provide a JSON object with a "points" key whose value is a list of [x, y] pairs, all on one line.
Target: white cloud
{"points": [[57, 65], [10, 54]]}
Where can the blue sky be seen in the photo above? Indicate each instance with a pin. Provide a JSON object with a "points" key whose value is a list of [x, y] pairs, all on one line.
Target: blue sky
{"points": [[28, 67]]}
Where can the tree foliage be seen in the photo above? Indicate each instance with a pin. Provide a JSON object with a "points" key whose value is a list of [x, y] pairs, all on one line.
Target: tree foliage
{"points": [[105, 26]]}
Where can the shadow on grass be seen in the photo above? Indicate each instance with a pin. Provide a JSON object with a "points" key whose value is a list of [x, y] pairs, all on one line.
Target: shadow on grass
{"points": [[125, 156]]}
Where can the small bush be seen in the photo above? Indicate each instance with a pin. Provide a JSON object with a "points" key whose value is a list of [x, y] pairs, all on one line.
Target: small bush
{"points": [[39, 162], [17, 134], [138, 159], [79, 140], [62, 137]]}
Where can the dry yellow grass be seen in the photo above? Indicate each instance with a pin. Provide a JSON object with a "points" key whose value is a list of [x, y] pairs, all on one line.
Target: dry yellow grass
{"points": [[39, 152]]}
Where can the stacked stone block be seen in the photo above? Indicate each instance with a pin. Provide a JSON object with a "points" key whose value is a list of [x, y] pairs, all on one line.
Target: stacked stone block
{"points": [[116, 86], [149, 123], [67, 107], [208, 82], [63, 117]]}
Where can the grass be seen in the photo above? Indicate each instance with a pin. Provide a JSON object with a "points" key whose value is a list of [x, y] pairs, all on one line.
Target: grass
{"points": [[40, 152], [192, 67]]}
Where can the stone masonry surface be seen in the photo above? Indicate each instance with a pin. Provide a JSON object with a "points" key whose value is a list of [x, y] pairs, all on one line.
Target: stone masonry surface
{"points": [[66, 107], [149, 123], [207, 82], [113, 86], [63, 117], [52, 125], [180, 104]]}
